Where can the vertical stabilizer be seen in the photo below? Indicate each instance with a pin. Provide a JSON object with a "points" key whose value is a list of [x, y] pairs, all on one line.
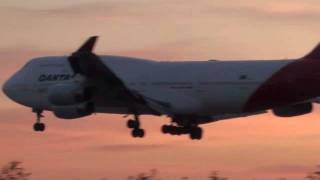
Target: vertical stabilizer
{"points": [[314, 54]]}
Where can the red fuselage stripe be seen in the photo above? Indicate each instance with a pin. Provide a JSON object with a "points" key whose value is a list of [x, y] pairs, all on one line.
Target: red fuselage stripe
{"points": [[295, 82]]}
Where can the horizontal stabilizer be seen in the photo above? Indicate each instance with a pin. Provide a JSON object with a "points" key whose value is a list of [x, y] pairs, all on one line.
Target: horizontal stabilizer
{"points": [[314, 54]]}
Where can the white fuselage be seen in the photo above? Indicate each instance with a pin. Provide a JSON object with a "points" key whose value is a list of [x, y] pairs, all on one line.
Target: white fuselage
{"points": [[190, 93], [193, 87]]}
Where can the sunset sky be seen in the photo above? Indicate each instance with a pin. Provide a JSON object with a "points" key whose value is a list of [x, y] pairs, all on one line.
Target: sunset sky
{"points": [[259, 147]]}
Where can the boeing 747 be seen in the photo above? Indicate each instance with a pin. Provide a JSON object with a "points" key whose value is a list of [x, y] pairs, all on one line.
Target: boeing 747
{"points": [[191, 93]]}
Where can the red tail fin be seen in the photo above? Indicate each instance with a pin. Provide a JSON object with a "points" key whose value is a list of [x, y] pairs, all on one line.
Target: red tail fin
{"points": [[314, 54]]}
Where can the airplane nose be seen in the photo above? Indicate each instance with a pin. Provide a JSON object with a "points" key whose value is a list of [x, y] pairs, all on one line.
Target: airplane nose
{"points": [[6, 87], [15, 89]]}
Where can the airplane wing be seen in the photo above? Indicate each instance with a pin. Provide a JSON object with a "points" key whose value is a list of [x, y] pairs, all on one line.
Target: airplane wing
{"points": [[85, 62]]}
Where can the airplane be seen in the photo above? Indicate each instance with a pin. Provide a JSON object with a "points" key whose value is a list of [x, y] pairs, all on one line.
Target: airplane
{"points": [[190, 93]]}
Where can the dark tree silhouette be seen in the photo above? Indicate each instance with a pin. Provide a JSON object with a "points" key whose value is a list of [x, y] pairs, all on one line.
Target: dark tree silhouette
{"points": [[315, 175], [14, 171], [215, 176], [152, 175]]}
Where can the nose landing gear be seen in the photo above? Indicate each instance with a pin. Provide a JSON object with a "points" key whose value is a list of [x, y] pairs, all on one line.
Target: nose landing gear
{"points": [[134, 124], [39, 126]]}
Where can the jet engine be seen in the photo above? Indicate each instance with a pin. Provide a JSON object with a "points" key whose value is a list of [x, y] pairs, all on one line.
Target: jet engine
{"points": [[293, 110], [73, 111], [68, 94]]}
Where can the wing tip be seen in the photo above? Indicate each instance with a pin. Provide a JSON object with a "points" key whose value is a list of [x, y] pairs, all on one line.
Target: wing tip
{"points": [[89, 44]]}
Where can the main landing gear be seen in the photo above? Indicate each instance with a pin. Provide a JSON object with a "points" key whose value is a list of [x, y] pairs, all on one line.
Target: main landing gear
{"points": [[195, 132], [39, 126], [176, 128], [134, 124]]}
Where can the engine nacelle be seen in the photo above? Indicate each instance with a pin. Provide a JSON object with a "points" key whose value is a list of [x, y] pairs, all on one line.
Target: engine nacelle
{"points": [[293, 110], [68, 94], [73, 111]]}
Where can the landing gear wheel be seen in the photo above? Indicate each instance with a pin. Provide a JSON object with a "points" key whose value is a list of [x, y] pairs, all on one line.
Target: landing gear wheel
{"points": [[39, 127], [42, 127], [196, 133], [133, 124], [138, 133], [36, 127], [179, 131], [141, 133], [174, 130], [165, 129]]}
